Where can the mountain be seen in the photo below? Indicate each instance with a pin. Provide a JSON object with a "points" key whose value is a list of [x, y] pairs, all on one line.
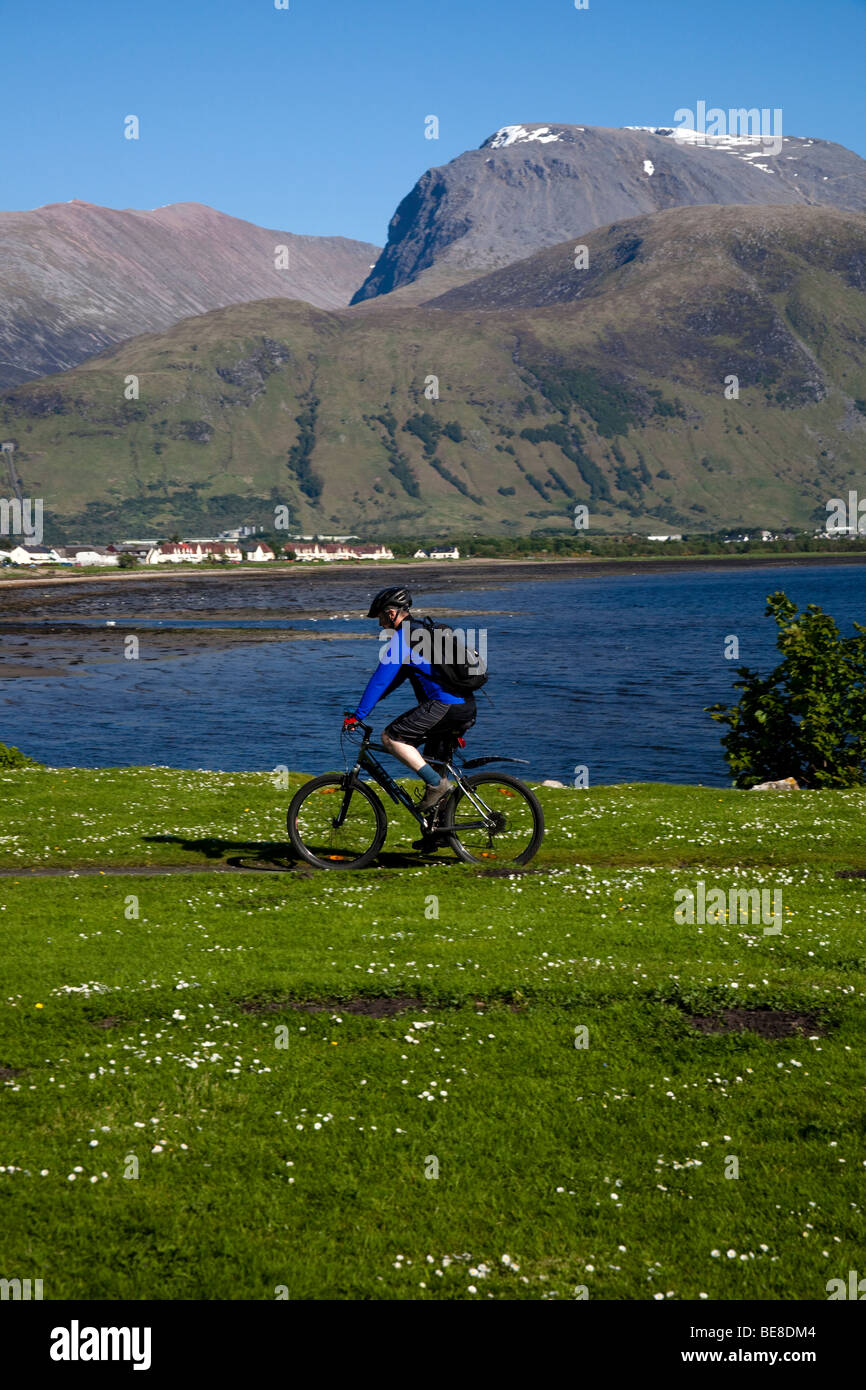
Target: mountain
{"points": [[557, 386], [76, 278], [533, 186], [750, 253]]}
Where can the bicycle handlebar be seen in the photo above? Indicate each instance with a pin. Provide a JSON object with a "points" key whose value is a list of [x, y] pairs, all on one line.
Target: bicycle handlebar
{"points": [[359, 723]]}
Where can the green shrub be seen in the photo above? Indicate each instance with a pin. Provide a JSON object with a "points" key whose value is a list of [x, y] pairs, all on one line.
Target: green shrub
{"points": [[612, 405], [13, 757], [402, 470], [426, 428], [455, 482], [807, 719], [561, 483], [300, 461]]}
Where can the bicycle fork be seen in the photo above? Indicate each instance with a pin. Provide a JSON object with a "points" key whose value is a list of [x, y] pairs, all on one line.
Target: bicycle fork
{"points": [[339, 819]]}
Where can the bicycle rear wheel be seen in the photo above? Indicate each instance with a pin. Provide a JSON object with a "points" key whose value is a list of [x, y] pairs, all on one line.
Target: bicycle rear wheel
{"points": [[336, 823], [499, 822]]}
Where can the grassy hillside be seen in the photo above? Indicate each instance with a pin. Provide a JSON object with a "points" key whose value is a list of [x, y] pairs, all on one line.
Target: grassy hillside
{"points": [[75, 278], [284, 1054], [557, 386]]}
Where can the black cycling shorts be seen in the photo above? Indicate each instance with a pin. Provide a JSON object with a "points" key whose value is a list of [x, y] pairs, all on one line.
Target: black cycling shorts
{"points": [[429, 722]]}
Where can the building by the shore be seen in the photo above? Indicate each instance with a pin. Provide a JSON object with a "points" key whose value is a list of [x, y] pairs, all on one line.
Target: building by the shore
{"points": [[32, 555], [88, 555], [338, 551], [194, 552]]}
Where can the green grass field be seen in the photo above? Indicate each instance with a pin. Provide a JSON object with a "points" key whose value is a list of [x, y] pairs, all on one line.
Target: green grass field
{"points": [[465, 1144]]}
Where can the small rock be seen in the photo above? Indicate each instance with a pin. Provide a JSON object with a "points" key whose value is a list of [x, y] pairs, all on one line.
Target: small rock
{"points": [[551, 783], [787, 784]]}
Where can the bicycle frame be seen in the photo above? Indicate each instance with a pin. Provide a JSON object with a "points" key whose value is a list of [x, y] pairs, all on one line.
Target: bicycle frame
{"points": [[367, 763]]}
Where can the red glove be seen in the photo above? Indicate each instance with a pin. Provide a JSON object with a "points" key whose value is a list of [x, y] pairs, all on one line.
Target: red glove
{"points": [[349, 721]]}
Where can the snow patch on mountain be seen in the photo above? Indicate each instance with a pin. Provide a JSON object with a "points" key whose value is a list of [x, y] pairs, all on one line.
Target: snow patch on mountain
{"points": [[758, 155], [518, 135], [689, 136], [699, 137], [497, 203]]}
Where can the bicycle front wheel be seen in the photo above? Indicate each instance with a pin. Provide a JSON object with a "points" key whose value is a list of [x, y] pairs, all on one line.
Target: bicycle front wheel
{"points": [[499, 821], [336, 823]]}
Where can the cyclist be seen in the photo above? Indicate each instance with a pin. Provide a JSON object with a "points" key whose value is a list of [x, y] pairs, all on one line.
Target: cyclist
{"points": [[438, 712]]}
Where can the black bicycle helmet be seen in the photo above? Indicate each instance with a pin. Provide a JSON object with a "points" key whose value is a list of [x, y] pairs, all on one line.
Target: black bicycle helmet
{"points": [[390, 598]]}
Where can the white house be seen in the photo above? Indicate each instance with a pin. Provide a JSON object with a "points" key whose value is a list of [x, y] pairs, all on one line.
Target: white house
{"points": [[258, 552], [225, 550], [330, 551], [174, 553], [193, 552], [33, 555], [443, 554], [420, 555], [96, 557], [87, 555]]}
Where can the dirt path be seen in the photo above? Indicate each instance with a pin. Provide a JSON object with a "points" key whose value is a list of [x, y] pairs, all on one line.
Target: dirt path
{"points": [[146, 870]]}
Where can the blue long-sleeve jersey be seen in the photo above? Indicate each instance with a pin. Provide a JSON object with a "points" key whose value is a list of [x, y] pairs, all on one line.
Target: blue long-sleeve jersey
{"points": [[398, 659]]}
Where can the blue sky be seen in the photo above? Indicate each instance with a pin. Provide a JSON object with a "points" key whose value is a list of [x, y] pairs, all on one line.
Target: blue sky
{"points": [[311, 119]]}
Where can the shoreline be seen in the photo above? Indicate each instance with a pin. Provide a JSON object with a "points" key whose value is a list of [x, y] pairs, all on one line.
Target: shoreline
{"points": [[571, 566], [69, 649]]}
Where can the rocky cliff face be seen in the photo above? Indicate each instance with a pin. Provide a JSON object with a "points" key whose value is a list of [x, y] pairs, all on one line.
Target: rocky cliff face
{"points": [[76, 278], [533, 186]]}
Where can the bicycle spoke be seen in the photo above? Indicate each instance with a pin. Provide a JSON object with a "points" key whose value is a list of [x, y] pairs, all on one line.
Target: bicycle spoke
{"points": [[496, 821], [333, 843]]}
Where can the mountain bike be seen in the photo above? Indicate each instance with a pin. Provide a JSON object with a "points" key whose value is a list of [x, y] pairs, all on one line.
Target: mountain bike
{"points": [[337, 822]]}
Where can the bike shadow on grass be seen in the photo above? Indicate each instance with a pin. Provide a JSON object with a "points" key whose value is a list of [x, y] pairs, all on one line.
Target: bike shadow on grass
{"points": [[269, 856]]}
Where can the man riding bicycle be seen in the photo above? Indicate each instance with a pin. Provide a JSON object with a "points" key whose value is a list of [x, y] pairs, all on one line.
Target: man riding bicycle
{"points": [[439, 711]]}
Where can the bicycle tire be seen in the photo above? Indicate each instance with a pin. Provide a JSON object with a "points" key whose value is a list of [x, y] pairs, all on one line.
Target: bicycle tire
{"points": [[501, 779], [335, 782]]}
